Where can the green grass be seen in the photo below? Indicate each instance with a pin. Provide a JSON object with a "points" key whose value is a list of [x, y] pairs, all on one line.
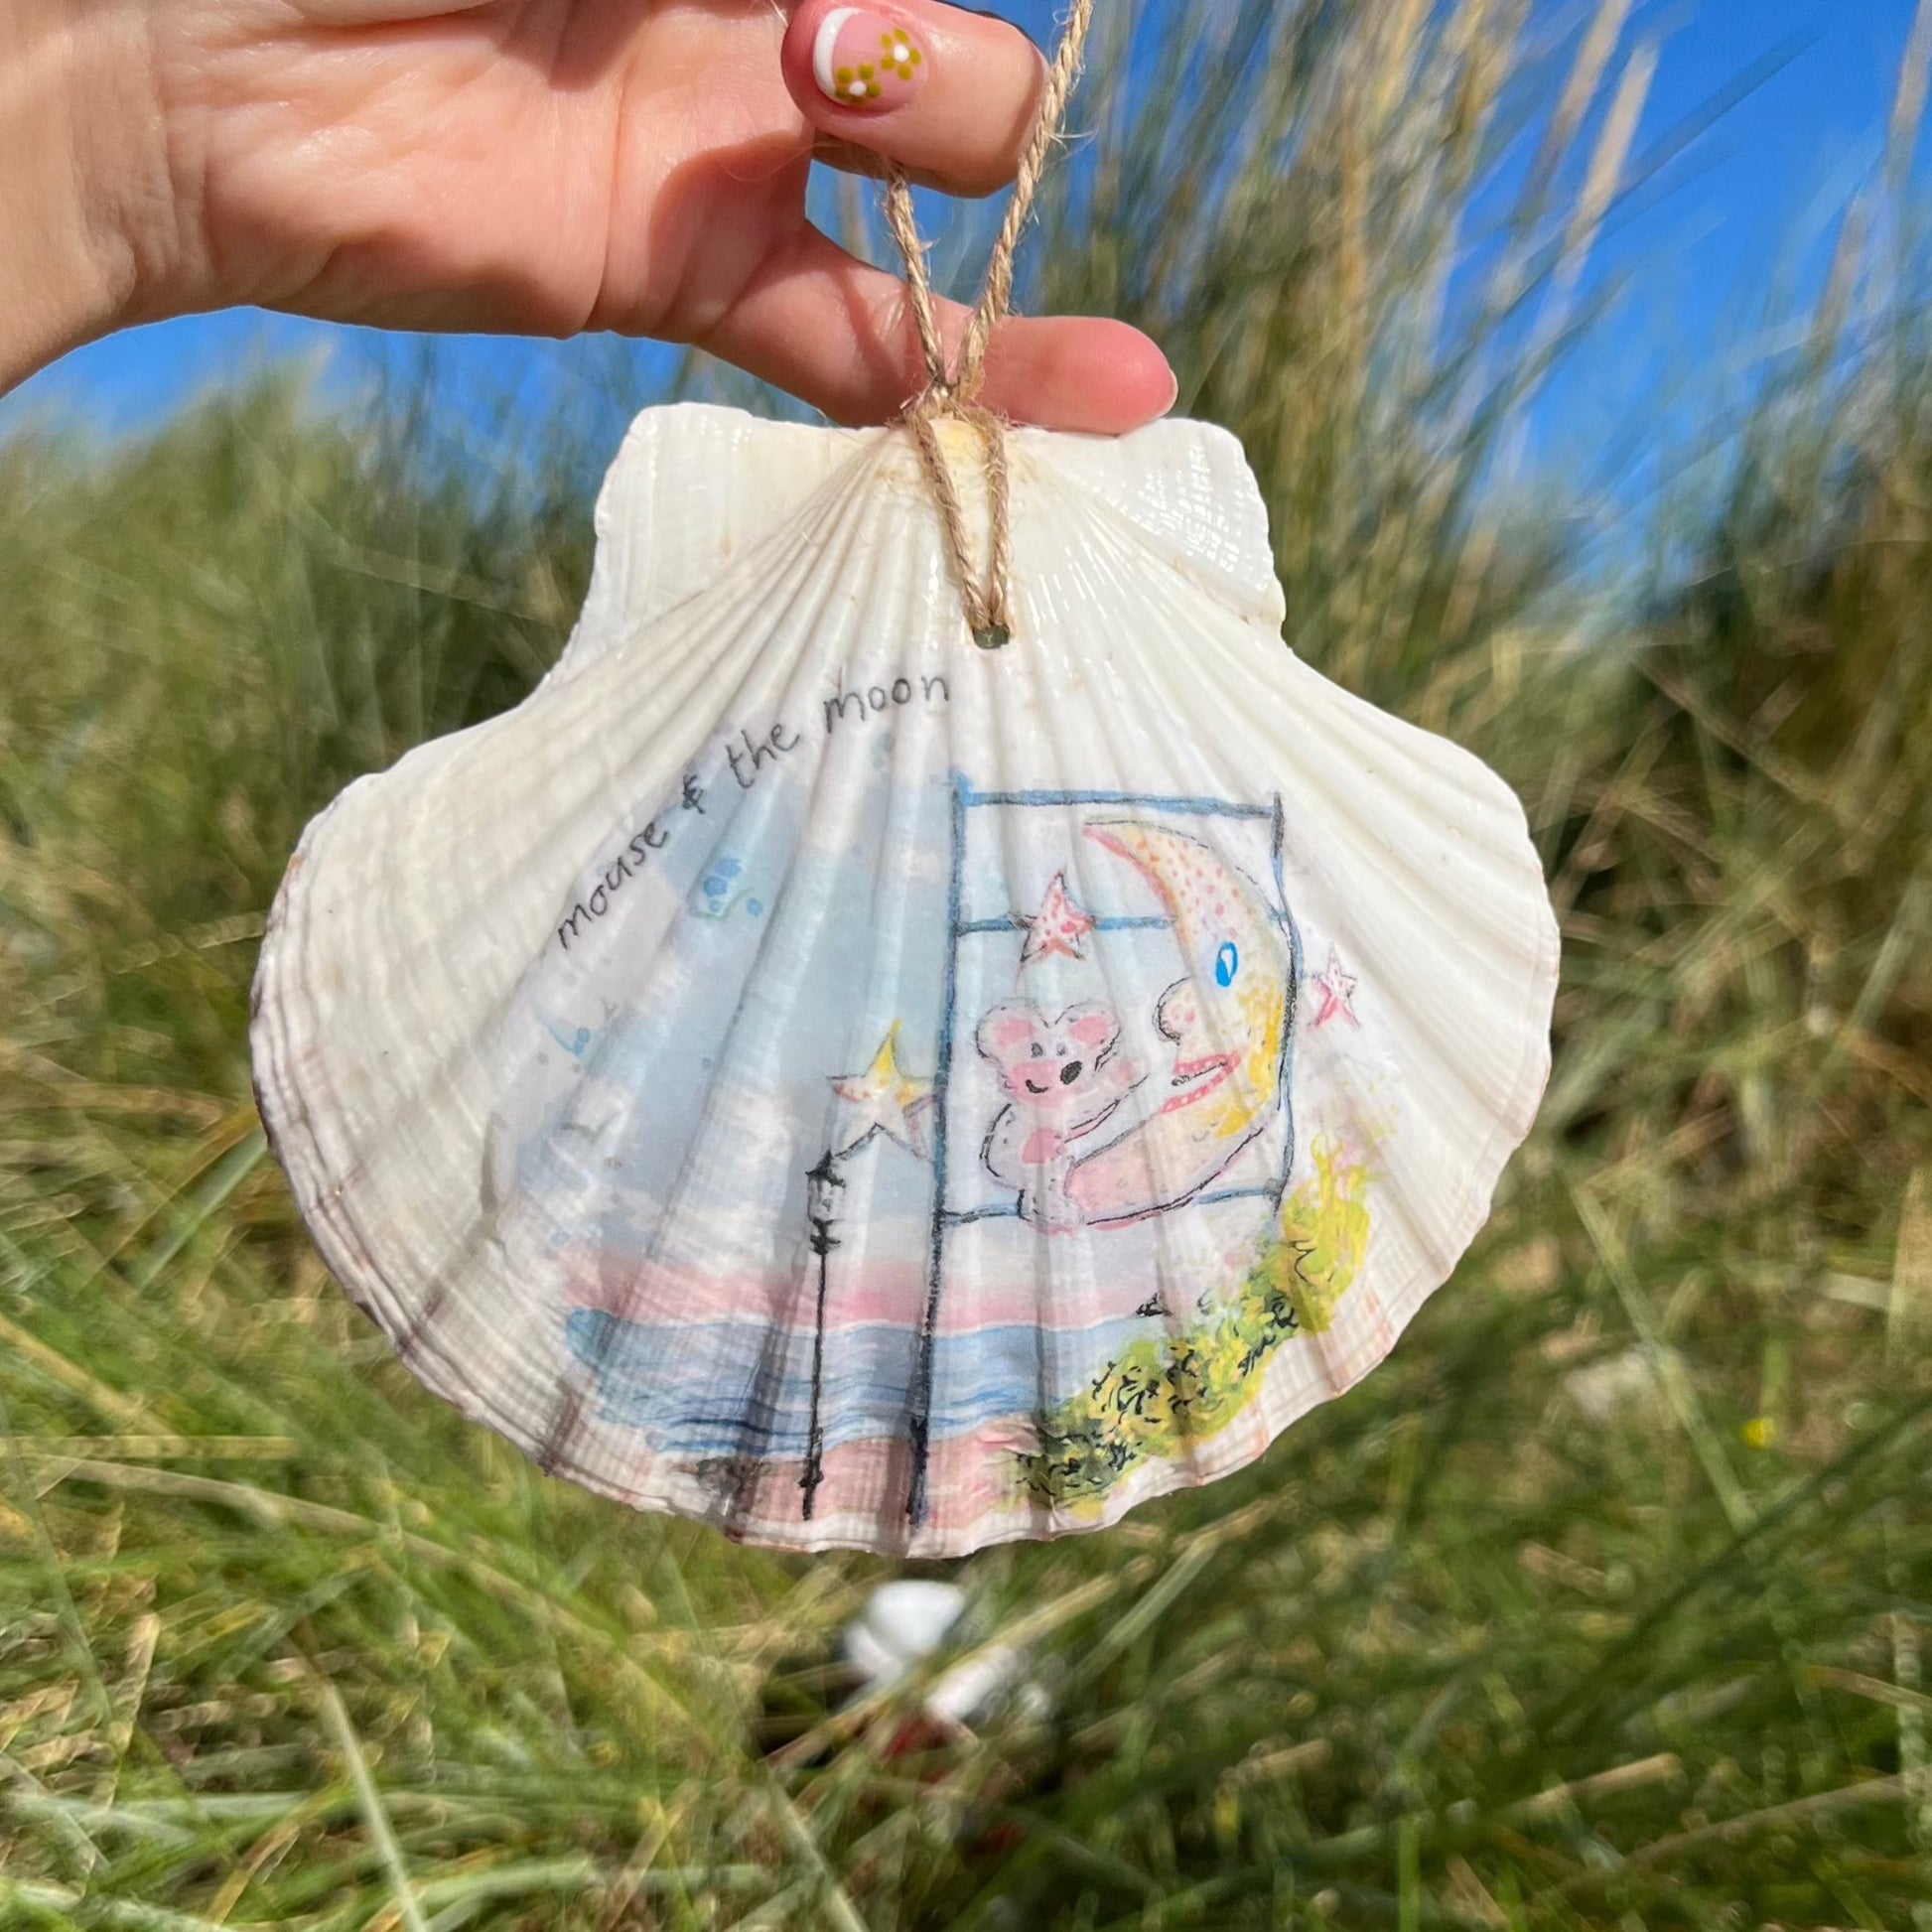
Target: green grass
{"points": [[1601, 1604]]}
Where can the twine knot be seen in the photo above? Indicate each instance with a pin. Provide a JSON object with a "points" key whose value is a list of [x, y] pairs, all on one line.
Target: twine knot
{"points": [[986, 598]]}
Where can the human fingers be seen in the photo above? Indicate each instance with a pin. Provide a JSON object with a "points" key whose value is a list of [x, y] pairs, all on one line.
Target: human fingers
{"points": [[830, 328], [949, 95]]}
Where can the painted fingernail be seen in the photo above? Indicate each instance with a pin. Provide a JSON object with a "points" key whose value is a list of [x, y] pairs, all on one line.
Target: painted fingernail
{"points": [[861, 58]]}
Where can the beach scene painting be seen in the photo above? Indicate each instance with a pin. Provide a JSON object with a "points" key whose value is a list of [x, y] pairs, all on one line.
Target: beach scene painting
{"points": [[1048, 1167]]}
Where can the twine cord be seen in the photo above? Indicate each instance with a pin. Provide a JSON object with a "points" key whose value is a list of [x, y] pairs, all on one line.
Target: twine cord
{"points": [[987, 598]]}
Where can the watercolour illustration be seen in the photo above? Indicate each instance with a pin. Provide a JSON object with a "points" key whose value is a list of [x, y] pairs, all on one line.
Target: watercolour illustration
{"points": [[1083, 1141]]}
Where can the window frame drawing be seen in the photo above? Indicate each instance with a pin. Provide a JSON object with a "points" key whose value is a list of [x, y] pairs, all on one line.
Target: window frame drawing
{"points": [[967, 798]]}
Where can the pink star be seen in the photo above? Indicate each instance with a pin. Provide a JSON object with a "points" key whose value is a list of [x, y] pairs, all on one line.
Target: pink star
{"points": [[1058, 926], [1337, 990]]}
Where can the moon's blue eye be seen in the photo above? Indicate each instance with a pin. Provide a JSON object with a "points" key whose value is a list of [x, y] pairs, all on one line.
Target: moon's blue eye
{"points": [[1227, 962]]}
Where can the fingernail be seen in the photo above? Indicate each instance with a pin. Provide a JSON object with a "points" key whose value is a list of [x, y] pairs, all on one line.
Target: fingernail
{"points": [[862, 58]]}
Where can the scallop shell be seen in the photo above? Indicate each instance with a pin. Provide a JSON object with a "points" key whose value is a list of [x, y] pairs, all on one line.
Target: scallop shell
{"points": [[807, 1072]]}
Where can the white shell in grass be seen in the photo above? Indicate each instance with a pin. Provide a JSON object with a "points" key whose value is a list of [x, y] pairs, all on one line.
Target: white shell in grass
{"points": [[804, 1072]]}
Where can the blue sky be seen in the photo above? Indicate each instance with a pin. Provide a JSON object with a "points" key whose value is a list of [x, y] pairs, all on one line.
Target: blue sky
{"points": [[1692, 262]]}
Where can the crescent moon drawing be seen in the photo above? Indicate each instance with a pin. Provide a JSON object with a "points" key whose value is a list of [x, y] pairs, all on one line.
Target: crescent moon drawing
{"points": [[1228, 1019]]}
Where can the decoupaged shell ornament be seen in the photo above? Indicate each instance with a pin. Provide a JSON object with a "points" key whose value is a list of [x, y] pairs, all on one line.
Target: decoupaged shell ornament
{"points": [[804, 1072]]}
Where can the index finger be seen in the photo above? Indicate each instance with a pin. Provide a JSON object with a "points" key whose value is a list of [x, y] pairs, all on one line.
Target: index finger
{"points": [[833, 330]]}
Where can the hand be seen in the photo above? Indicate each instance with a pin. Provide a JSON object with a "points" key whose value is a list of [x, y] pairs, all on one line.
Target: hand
{"points": [[539, 166]]}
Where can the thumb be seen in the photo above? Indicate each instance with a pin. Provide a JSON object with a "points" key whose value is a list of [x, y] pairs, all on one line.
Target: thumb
{"points": [[947, 95]]}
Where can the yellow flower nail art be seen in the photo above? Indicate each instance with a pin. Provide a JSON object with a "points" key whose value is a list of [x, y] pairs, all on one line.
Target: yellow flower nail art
{"points": [[902, 57], [860, 84], [862, 59]]}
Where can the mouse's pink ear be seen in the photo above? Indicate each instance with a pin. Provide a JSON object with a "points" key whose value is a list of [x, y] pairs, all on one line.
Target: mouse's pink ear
{"points": [[1091, 1023], [1006, 1028]]}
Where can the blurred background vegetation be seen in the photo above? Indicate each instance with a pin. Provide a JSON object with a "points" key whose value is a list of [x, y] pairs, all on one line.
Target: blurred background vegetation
{"points": [[1602, 1603]]}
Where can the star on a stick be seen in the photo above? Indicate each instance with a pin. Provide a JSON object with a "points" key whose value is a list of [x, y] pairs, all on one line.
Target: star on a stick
{"points": [[1060, 927], [887, 1100], [1337, 992]]}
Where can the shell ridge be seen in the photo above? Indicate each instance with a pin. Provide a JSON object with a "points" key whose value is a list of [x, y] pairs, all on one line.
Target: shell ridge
{"points": [[385, 1297], [921, 593], [1046, 1253], [744, 581], [345, 1245], [1187, 1457], [1503, 846], [1434, 757], [1192, 490], [1211, 573], [693, 1169], [1465, 776], [1511, 1117], [979, 718], [912, 780], [1108, 695], [1432, 1052], [666, 455]]}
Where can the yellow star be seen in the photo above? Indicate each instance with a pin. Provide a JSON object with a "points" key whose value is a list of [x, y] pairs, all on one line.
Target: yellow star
{"points": [[887, 1100]]}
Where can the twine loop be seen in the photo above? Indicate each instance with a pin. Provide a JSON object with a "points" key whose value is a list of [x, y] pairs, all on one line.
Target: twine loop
{"points": [[986, 598]]}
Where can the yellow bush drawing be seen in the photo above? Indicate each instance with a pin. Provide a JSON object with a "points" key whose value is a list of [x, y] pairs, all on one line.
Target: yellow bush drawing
{"points": [[1161, 1390]]}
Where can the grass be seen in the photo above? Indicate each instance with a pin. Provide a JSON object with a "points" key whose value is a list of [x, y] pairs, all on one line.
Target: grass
{"points": [[1602, 1604]]}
